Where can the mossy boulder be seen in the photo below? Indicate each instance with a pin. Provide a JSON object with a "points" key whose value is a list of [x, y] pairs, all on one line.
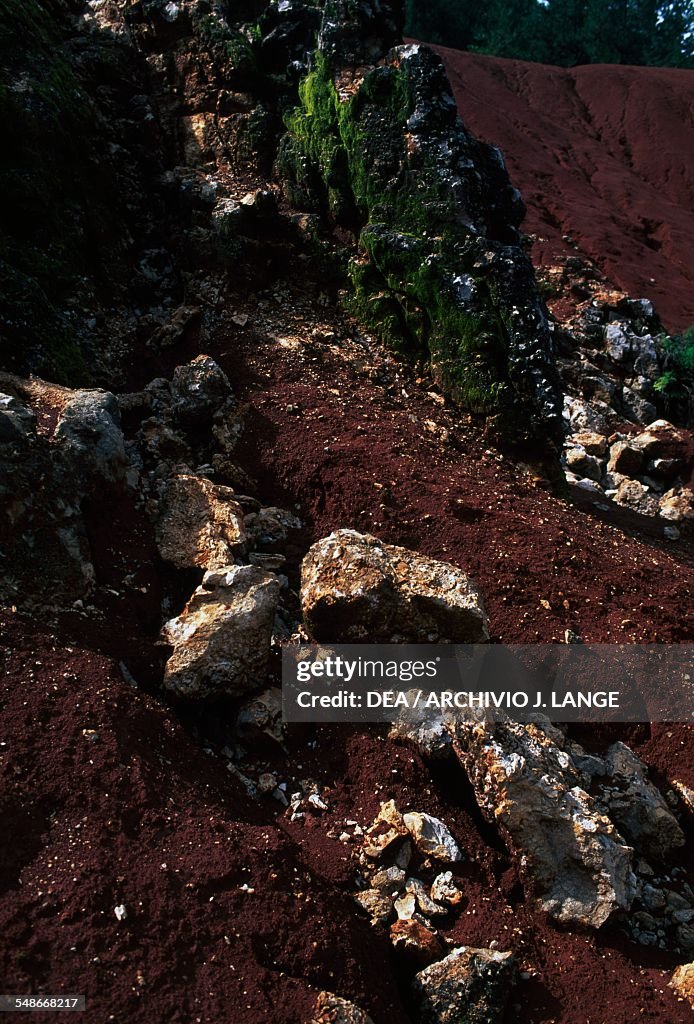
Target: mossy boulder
{"points": [[440, 272]]}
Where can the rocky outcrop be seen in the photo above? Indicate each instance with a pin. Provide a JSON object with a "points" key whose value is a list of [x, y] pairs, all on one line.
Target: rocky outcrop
{"points": [[469, 986], [89, 428], [354, 588], [221, 640], [440, 272]]}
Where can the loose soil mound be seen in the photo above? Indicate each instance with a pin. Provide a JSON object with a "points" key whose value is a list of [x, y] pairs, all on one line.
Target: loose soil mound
{"points": [[603, 154]]}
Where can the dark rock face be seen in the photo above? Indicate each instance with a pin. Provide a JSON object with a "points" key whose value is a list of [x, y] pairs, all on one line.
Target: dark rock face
{"points": [[440, 272], [359, 32]]}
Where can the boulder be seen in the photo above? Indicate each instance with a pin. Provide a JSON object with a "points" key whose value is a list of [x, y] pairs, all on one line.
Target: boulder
{"points": [[355, 588], [594, 444], [528, 783], [199, 390], [635, 495], [625, 458], [682, 982], [585, 466], [221, 639], [431, 836], [618, 342], [637, 808], [469, 986], [200, 524], [89, 431], [678, 508]]}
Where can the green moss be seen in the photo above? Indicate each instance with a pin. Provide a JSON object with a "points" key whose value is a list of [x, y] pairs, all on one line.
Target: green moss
{"points": [[346, 159]]}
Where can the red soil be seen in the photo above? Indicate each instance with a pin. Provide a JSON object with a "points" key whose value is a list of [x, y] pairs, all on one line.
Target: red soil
{"points": [[604, 154], [138, 815]]}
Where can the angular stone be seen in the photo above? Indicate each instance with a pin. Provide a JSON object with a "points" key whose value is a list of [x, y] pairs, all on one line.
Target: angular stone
{"points": [[637, 808], [90, 432], [426, 905], [415, 942], [582, 464], [683, 983], [221, 639], [199, 389], [377, 906], [625, 458], [678, 508], [529, 785], [469, 986], [594, 444], [445, 889], [432, 837], [633, 494], [387, 829], [354, 588], [200, 524], [332, 1009]]}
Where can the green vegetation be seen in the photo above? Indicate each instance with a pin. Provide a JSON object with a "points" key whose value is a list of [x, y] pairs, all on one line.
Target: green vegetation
{"points": [[676, 385], [564, 32], [347, 160]]}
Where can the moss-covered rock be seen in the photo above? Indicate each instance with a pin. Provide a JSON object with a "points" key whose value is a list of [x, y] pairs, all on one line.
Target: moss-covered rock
{"points": [[440, 273]]}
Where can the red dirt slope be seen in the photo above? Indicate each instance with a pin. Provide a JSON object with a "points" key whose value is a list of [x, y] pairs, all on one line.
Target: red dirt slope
{"points": [[602, 153]]}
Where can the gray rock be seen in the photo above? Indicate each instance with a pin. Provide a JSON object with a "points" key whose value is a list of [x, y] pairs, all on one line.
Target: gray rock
{"points": [[89, 431], [431, 836], [199, 390], [636, 806], [469, 986]]}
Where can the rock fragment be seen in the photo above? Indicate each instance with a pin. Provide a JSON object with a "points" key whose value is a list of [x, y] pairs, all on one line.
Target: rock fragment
{"points": [[637, 808], [377, 906], [89, 429], [682, 982], [387, 830], [353, 588], [678, 508], [221, 640], [416, 943], [199, 389], [469, 986], [527, 783], [444, 889], [200, 524], [432, 837], [332, 1009]]}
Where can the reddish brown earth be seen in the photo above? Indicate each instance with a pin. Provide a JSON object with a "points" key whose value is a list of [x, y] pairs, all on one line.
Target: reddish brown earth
{"points": [[337, 427], [603, 154]]}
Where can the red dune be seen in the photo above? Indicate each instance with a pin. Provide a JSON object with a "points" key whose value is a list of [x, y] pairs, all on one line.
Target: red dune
{"points": [[602, 153]]}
